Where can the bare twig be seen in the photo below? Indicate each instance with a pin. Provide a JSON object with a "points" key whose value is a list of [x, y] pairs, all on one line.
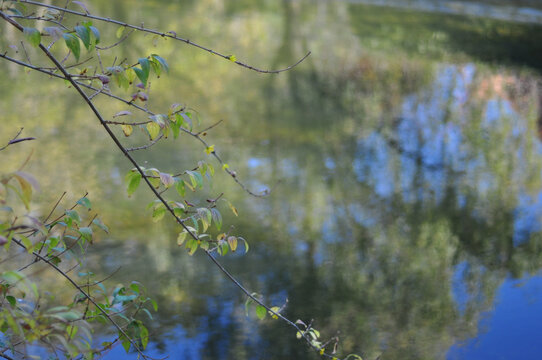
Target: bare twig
{"points": [[209, 128], [132, 104], [146, 146], [15, 139], [169, 34]]}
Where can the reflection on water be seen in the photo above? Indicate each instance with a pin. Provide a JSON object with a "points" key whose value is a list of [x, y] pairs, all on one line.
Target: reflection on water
{"points": [[410, 191], [469, 8]]}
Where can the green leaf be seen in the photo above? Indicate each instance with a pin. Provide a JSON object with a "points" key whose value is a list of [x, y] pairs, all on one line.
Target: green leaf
{"points": [[261, 312], [246, 244], [156, 67], [12, 277], [133, 178], [74, 215], [154, 304], [12, 301], [223, 248], [192, 244], [184, 120], [100, 224], [354, 356], [195, 178], [143, 73], [179, 186], [33, 36], [195, 222], [84, 34], [175, 128], [315, 334], [162, 62], [148, 313], [210, 170], [125, 343], [181, 238], [217, 218], [85, 202], [153, 129], [144, 335], [68, 315], [15, 11], [206, 215], [158, 214], [96, 34], [130, 75], [119, 75], [86, 233], [72, 42]]}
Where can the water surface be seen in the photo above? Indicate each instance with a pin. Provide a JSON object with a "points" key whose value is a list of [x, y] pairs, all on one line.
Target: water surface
{"points": [[407, 148]]}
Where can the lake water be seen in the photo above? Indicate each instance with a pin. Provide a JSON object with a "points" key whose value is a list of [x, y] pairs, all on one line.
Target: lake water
{"points": [[406, 154]]}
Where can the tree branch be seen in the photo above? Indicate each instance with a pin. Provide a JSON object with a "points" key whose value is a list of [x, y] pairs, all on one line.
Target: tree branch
{"points": [[78, 87], [169, 34], [15, 140]]}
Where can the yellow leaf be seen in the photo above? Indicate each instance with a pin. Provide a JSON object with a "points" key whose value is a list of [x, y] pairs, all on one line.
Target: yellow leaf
{"points": [[153, 129], [233, 58], [120, 31], [322, 350], [181, 238], [127, 129], [26, 188], [276, 309], [210, 149], [232, 240], [233, 209], [225, 166]]}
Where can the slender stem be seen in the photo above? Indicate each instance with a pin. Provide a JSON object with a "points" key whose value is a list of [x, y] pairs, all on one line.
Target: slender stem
{"points": [[169, 34]]}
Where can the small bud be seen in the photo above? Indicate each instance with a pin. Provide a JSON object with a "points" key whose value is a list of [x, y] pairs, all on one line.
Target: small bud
{"points": [[104, 79]]}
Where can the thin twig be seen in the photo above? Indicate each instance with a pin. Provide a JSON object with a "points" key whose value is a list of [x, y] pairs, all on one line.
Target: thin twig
{"points": [[131, 103], [146, 146], [117, 43], [15, 140], [169, 34], [209, 127]]}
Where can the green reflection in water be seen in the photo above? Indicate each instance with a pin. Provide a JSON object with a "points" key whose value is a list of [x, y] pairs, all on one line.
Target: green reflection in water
{"points": [[410, 172]]}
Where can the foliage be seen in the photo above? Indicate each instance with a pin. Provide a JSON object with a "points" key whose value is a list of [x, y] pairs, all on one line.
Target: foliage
{"points": [[30, 314], [63, 242]]}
